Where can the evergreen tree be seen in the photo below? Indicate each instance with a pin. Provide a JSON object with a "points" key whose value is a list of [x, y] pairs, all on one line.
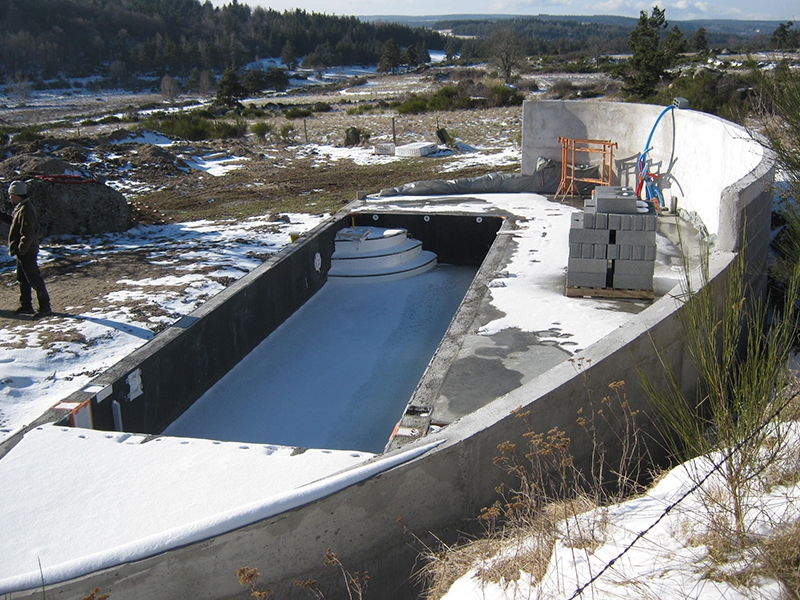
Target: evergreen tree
{"points": [[451, 49], [390, 57], [652, 53], [229, 89], [254, 81], [277, 79], [697, 41], [423, 55], [410, 58], [784, 38], [289, 56]]}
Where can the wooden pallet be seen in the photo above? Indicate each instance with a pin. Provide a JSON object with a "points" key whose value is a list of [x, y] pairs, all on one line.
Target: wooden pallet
{"points": [[580, 292]]}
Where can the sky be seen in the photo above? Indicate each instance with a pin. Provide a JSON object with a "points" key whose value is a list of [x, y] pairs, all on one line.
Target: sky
{"points": [[679, 10]]}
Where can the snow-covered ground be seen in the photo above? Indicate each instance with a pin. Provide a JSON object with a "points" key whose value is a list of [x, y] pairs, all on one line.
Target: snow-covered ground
{"points": [[657, 545], [36, 374]]}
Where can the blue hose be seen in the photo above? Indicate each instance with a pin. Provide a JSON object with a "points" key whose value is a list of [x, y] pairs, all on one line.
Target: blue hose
{"points": [[650, 187]]}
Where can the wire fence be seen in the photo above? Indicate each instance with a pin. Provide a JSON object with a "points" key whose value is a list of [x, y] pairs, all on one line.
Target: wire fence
{"points": [[697, 485]]}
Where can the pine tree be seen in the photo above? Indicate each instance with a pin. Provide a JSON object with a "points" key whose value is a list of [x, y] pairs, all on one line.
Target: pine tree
{"points": [[229, 89], [289, 56], [390, 57], [653, 53], [411, 58], [698, 41]]}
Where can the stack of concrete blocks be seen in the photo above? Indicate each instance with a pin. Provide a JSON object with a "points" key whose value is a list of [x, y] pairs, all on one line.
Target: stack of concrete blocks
{"points": [[612, 243]]}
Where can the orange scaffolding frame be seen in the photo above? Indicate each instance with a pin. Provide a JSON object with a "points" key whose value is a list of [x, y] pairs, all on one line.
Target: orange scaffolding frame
{"points": [[569, 148]]}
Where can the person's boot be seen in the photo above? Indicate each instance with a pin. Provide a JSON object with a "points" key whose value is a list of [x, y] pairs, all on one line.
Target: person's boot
{"points": [[44, 311], [24, 310]]}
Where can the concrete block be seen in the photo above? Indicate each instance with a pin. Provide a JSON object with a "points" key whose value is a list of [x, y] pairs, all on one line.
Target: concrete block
{"points": [[588, 251], [589, 205], [623, 252], [581, 235], [588, 265], [643, 252], [616, 204], [625, 222], [387, 149], [634, 267], [580, 279], [579, 220], [614, 221], [619, 200], [632, 282], [611, 190], [601, 221], [416, 149], [636, 238], [612, 252], [643, 222]]}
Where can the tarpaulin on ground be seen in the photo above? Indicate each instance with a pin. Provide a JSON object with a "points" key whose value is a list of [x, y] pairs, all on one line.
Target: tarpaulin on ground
{"points": [[545, 180]]}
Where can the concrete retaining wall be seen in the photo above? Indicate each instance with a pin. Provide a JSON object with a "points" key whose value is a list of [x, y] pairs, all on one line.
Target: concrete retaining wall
{"points": [[151, 387], [707, 165], [369, 525]]}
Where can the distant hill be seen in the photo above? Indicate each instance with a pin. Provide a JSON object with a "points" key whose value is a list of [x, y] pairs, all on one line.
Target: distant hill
{"points": [[716, 26]]}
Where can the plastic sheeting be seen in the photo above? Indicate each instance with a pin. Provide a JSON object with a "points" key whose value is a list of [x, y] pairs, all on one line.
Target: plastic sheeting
{"points": [[545, 180]]}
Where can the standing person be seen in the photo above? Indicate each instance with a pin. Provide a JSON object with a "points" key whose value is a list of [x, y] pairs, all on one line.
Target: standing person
{"points": [[23, 242]]}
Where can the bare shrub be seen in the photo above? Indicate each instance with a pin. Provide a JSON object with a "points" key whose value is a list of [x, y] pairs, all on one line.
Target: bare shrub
{"points": [[552, 499], [170, 88]]}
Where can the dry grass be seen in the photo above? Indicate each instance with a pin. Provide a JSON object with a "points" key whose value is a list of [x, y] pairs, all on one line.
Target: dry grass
{"points": [[552, 500]]}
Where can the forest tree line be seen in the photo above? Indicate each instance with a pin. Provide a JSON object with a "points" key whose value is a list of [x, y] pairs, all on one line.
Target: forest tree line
{"points": [[73, 38], [125, 39]]}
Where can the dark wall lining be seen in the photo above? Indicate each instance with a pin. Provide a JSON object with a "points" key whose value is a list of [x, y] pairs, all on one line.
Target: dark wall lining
{"points": [[184, 361]]}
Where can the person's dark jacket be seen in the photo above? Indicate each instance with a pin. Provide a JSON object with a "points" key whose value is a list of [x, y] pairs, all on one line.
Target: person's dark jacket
{"points": [[23, 236]]}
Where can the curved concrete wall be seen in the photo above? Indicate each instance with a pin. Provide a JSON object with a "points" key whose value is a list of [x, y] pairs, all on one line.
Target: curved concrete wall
{"points": [[707, 165], [369, 525]]}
